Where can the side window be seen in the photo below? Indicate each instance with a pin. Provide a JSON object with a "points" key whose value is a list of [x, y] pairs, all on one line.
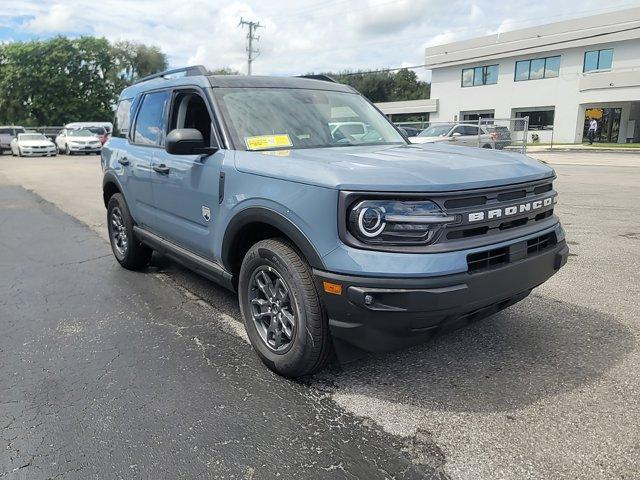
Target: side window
{"points": [[149, 129], [122, 118], [4, 131], [190, 111], [470, 130]]}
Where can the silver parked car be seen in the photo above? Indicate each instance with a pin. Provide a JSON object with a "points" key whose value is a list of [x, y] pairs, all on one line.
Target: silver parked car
{"points": [[465, 134], [7, 134]]}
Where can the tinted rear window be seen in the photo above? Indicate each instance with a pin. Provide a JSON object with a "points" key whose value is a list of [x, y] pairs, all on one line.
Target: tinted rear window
{"points": [[122, 119]]}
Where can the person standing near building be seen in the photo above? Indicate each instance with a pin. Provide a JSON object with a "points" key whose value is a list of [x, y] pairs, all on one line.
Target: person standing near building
{"points": [[593, 128]]}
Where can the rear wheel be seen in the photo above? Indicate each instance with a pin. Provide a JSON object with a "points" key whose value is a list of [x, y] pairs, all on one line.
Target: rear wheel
{"points": [[127, 249], [282, 312]]}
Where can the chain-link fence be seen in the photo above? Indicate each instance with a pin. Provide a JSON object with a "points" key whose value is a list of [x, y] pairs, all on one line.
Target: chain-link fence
{"points": [[506, 133], [495, 133]]}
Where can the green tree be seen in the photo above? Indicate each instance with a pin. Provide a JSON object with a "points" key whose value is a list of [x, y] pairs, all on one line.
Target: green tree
{"points": [[56, 81], [138, 60], [223, 71], [386, 86], [59, 80]]}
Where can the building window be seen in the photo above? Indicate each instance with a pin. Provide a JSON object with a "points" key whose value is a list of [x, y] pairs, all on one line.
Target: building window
{"points": [[598, 60], [473, 116], [472, 77], [537, 68], [538, 119]]}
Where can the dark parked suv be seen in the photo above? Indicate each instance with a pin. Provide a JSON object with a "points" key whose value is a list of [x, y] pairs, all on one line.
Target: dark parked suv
{"points": [[332, 240]]}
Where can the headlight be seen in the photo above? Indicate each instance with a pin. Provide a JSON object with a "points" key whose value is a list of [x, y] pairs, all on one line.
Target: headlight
{"points": [[397, 222]]}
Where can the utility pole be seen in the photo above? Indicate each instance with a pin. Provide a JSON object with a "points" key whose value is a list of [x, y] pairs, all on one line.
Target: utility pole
{"points": [[252, 53]]}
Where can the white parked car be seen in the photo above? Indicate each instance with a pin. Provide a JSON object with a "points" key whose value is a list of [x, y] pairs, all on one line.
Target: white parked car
{"points": [[81, 140], [32, 144], [460, 133]]}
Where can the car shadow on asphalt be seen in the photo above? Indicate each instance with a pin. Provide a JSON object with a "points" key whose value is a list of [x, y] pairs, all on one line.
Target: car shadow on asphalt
{"points": [[538, 348]]}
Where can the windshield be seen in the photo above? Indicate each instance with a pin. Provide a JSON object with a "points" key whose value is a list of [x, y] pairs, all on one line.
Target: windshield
{"points": [[97, 130], [268, 119], [80, 133], [435, 131], [32, 136]]}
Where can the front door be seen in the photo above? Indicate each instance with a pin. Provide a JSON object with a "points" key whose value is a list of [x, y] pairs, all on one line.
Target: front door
{"points": [[185, 187], [146, 140]]}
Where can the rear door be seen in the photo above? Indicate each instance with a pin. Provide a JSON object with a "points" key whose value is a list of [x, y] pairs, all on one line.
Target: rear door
{"points": [[185, 187]]}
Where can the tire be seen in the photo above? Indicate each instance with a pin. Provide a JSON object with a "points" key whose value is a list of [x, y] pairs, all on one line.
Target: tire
{"points": [[128, 250], [486, 145], [309, 347]]}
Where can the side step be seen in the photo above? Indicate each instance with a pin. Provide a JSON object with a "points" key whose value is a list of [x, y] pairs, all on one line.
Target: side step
{"points": [[208, 269]]}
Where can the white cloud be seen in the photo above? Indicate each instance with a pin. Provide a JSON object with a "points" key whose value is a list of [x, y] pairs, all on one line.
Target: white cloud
{"points": [[57, 19], [298, 37]]}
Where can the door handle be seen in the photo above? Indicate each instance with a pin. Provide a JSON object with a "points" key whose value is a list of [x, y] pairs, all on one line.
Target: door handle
{"points": [[162, 169], [123, 161]]}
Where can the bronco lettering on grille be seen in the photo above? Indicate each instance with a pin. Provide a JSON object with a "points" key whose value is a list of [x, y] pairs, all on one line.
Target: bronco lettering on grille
{"points": [[511, 210]]}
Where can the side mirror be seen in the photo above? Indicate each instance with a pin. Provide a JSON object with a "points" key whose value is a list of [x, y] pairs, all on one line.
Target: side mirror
{"points": [[403, 131], [187, 141], [457, 134]]}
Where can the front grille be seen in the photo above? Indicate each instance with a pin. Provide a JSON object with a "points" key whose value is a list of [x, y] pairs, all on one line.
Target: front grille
{"points": [[504, 255], [497, 199]]}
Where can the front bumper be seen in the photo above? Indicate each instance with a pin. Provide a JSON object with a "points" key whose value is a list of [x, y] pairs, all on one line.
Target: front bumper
{"points": [[381, 314], [38, 153], [85, 149]]}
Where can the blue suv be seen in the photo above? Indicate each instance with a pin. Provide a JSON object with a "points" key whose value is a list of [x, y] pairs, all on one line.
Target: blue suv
{"points": [[335, 231]]}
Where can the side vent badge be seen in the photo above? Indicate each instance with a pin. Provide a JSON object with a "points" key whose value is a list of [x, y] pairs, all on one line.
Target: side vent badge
{"points": [[206, 213]]}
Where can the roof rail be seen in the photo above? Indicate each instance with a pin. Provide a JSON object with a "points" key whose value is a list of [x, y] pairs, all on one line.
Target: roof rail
{"points": [[191, 71], [320, 76]]}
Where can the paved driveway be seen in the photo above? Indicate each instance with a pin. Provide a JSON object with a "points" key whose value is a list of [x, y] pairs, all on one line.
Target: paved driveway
{"points": [[546, 389]]}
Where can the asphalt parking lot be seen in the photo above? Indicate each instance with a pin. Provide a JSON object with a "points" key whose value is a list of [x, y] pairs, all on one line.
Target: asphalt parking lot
{"points": [[113, 374]]}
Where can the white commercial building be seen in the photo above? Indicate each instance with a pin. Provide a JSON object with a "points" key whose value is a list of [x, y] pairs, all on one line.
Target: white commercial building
{"points": [[558, 75]]}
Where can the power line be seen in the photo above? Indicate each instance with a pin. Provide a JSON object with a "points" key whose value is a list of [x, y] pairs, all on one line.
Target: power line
{"points": [[252, 53]]}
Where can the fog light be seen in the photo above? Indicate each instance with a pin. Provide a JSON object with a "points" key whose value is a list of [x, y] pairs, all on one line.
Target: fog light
{"points": [[368, 299]]}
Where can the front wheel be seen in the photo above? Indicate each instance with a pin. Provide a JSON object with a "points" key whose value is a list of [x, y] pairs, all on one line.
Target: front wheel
{"points": [[127, 249], [282, 312]]}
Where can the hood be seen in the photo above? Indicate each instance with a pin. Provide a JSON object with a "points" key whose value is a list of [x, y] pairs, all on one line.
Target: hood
{"points": [[35, 143], [82, 139], [428, 139], [408, 168]]}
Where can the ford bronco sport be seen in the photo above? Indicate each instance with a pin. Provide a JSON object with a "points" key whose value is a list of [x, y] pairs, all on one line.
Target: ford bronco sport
{"points": [[331, 240]]}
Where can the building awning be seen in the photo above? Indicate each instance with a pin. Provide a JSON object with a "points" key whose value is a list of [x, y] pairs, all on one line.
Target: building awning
{"points": [[428, 105]]}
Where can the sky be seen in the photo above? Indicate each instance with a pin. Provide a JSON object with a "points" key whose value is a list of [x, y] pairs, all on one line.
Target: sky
{"points": [[298, 36]]}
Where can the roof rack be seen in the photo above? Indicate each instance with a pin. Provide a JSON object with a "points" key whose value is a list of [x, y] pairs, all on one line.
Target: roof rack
{"points": [[324, 78], [191, 71]]}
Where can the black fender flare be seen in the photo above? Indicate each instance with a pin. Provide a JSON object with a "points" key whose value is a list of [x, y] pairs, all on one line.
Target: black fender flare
{"points": [[276, 220], [110, 177]]}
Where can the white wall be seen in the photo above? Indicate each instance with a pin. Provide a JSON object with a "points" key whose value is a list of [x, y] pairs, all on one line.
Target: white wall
{"points": [[562, 92]]}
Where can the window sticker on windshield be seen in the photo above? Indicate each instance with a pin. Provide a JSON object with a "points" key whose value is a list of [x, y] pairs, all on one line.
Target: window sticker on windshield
{"points": [[268, 141]]}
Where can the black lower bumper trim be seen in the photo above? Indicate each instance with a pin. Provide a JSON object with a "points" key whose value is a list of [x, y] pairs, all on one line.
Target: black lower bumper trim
{"points": [[380, 314]]}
